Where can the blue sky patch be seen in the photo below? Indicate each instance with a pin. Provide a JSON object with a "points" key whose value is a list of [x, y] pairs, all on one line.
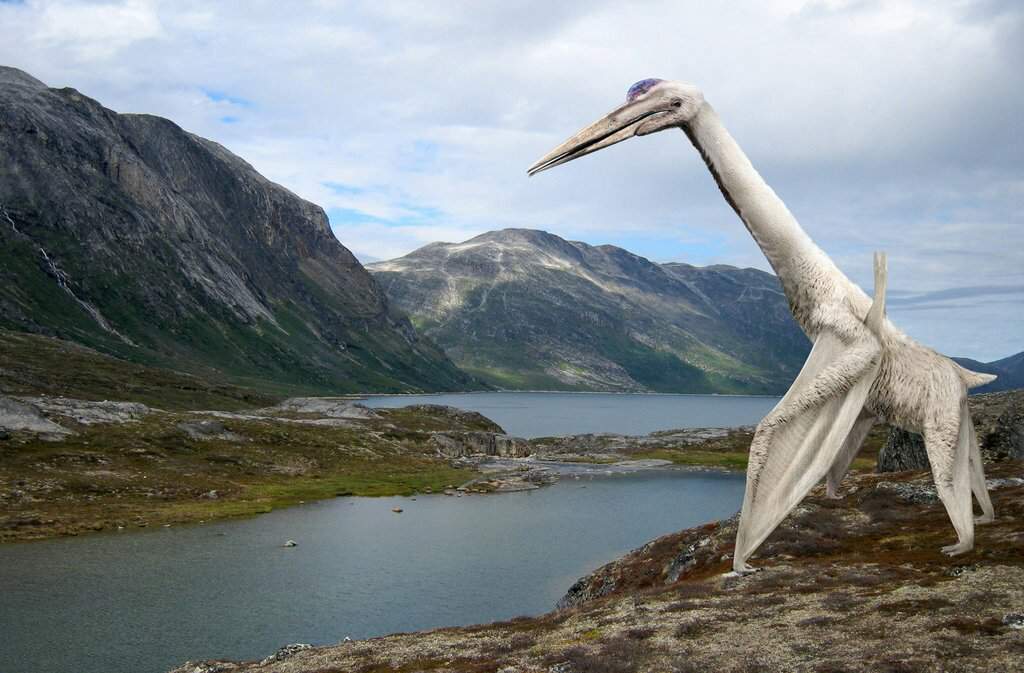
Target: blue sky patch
{"points": [[222, 97]]}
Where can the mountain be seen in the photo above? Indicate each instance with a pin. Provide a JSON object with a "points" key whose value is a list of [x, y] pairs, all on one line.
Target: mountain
{"points": [[129, 235], [525, 309], [1009, 370]]}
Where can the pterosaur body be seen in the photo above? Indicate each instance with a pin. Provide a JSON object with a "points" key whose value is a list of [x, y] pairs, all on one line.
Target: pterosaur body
{"points": [[862, 369]]}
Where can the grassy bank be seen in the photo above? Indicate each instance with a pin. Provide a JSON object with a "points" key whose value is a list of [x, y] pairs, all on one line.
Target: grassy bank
{"points": [[153, 471]]}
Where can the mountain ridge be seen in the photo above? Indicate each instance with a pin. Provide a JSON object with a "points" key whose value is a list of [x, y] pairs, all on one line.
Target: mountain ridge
{"points": [[1010, 371], [130, 235], [579, 316]]}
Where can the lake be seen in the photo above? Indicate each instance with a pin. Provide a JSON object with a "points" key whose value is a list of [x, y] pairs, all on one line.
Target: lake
{"points": [[144, 602], [549, 414]]}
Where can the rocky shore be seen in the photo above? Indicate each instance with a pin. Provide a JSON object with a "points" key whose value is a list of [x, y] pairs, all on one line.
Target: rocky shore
{"points": [[71, 466], [846, 586]]}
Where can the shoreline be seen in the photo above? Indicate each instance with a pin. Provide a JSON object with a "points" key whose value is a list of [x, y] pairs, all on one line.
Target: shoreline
{"points": [[868, 564], [565, 392], [119, 466]]}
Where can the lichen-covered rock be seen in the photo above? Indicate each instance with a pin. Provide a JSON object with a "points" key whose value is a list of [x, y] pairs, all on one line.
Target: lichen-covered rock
{"points": [[21, 416], [329, 407], [1006, 441], [89, 412], [208, 429], [286, 652], [464, 444], [903, 451]]}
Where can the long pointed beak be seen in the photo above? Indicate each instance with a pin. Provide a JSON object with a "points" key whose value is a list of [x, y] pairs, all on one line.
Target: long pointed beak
{"points": [[619, 125]]}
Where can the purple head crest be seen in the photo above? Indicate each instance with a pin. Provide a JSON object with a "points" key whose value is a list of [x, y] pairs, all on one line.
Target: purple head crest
{"points": [[640, 88]]}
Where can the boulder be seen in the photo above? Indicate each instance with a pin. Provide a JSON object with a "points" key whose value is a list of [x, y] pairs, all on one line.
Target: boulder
{"points": [[207, 429], [286, 652], [903, 451], [329, 407], [464, 444], [21, 416], [90, 412], [1006, 439]]}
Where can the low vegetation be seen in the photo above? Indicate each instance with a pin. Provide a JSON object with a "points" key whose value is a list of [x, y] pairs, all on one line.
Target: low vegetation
{"points": [[31, 364], [154, 471]]}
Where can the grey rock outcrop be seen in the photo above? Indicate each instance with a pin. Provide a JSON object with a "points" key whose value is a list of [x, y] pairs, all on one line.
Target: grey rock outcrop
{"points": [[208, 429], [998, 422], [20, 416], [465, 444], [88, 412], [1006, 440], [329, 407], [902, 451]]}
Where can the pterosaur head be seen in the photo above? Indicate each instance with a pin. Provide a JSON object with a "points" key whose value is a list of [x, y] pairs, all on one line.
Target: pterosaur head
{"points": [[651, 105]]}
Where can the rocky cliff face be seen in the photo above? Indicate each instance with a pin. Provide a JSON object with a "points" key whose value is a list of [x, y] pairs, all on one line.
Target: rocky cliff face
{"points": [[125, 233], [526, 309]]}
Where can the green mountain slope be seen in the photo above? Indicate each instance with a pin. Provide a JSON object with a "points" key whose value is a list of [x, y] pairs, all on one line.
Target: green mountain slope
{"points": [[133, 237], [525, 309]]}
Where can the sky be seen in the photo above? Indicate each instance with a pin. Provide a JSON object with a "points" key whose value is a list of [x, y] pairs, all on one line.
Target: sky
{"points": [[883, 125]]}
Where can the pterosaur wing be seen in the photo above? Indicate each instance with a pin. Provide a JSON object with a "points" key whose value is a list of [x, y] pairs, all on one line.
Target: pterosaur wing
{"points": [[800, 440]]}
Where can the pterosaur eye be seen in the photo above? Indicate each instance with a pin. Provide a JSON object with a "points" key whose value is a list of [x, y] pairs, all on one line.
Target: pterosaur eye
{"points": [[640, 88]]}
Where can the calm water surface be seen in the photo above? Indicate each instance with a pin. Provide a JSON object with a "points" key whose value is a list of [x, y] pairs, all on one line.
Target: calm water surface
{"points": [[550, 414], [144, 602]]}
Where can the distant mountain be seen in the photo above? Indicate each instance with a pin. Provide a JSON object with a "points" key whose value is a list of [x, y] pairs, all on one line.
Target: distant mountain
{"points": [[525, 309], [1009, 370], [127, 234]]}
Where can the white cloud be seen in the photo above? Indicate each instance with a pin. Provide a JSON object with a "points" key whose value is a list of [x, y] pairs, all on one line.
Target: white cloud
{"points": [[886, 124], [94, 31]]}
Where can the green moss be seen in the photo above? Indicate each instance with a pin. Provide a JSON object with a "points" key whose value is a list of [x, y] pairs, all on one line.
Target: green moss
{"points": [[732, 460], [150, 472], [31, 364]]}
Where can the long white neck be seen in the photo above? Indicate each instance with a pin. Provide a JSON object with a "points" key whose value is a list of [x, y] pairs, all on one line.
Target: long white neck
{"points": [[799, 263]]}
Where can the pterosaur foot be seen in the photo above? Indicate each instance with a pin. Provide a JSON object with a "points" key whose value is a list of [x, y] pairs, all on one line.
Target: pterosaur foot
{"points": [[833, 494], [984, 518], [958, 548], [744, 569]]}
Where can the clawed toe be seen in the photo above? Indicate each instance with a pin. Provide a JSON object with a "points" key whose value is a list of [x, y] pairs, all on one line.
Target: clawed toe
{"points": [[744, 569], [955, 549]]}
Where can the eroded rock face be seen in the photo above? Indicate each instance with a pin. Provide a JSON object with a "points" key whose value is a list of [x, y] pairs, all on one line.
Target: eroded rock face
{"points": [[458, 416], [208, 429], [1006, 441], [464, 444], [139, 239], [20, 416], [998, 423], [88, 412], [330, 407], [903, 450]]}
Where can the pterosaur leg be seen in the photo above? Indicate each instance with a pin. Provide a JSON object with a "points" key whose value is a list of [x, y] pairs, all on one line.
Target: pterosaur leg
{"points": [[948, 447], [851, 447], [978, 486]]}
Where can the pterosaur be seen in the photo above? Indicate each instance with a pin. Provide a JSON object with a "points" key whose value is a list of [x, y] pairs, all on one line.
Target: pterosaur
{"points": [[862, 369]]}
